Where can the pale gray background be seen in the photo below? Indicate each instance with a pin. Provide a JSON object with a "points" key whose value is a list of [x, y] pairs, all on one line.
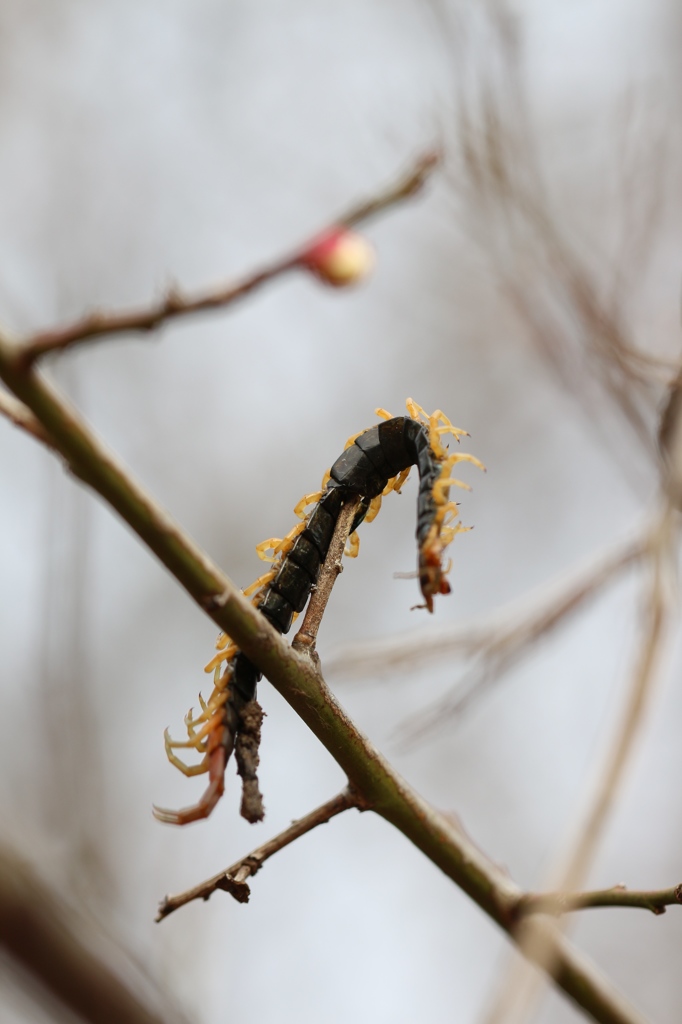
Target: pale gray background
{"points": [[147, 142]]}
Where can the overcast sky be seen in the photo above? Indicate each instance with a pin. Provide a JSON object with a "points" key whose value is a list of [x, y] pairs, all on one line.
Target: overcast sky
{"points": [[154, 142]]}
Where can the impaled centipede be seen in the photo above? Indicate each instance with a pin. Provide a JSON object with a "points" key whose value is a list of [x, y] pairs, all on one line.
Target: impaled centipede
{"points": [[373, 463]]}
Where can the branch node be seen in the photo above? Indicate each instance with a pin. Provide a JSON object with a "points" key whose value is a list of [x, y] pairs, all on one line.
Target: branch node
{"points": [[213, 602], [233, 880], [174, 303], [238, 889]]}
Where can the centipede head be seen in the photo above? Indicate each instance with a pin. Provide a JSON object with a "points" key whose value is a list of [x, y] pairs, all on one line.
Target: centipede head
{"points": [[432, 578]]}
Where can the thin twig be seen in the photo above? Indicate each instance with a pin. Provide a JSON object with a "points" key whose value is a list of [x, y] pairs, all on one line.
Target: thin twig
{"points": [[300, 683], [17, 413], [556, 289], [517, 993], [618, 896], [175, 304], [657, 607], [306, 637], [233, 879]]}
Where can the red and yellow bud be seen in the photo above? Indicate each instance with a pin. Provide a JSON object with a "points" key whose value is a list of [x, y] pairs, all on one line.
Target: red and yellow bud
{"points": [[339, 257]]}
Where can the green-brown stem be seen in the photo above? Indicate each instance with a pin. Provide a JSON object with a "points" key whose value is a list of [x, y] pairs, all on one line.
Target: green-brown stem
{"points": [[300, 683], [563, 902]]}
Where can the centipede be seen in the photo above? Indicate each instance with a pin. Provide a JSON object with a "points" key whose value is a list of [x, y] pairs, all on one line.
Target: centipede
{"points": [[374, 463]]}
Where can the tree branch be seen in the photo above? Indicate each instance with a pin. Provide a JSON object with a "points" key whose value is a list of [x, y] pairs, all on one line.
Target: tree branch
{"points": [[619, 896], [233, 879], [174, 304], [378, 784], [17, 413]]}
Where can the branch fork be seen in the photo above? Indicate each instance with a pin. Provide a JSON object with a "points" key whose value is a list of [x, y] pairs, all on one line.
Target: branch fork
{"points": [[373, 782]]}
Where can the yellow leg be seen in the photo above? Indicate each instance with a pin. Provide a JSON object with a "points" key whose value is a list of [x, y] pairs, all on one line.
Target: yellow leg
{"points": [[260, 582], [447, 427], [439, 424], [186, 769], [202, 747], [456, 457], [442, 487], [196, 738], [434, 438], [353, 546], [287, 544], [220, 681], [373, 510], [265, 546], [204, 707], [307, 499], [455, 431], [448, 533], [352, 438], [401, 479], [415, 411], [389, 486], [384, 413], [222, 656], [208, 709], [446, 514], [325, 479]]}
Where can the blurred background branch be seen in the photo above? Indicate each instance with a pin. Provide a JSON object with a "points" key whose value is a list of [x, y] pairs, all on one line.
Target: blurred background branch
{"points": [[617, 896], [495, 644], [175, 304], [38, 931]]}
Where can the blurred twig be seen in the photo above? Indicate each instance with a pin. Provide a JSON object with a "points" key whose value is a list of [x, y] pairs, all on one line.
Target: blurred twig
{"points": [[233, 879], [618, 896], [175, 304], [36, 930], [299, 681], [556, 280], [496, 644], [519, 990]]}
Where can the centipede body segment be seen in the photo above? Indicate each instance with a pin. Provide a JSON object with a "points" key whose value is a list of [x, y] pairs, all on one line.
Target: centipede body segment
{"points": [[373, 463]]}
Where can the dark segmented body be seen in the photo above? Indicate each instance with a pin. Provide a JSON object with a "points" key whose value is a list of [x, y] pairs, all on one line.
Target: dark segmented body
{"points": [[367, 466], [364, 469]]}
